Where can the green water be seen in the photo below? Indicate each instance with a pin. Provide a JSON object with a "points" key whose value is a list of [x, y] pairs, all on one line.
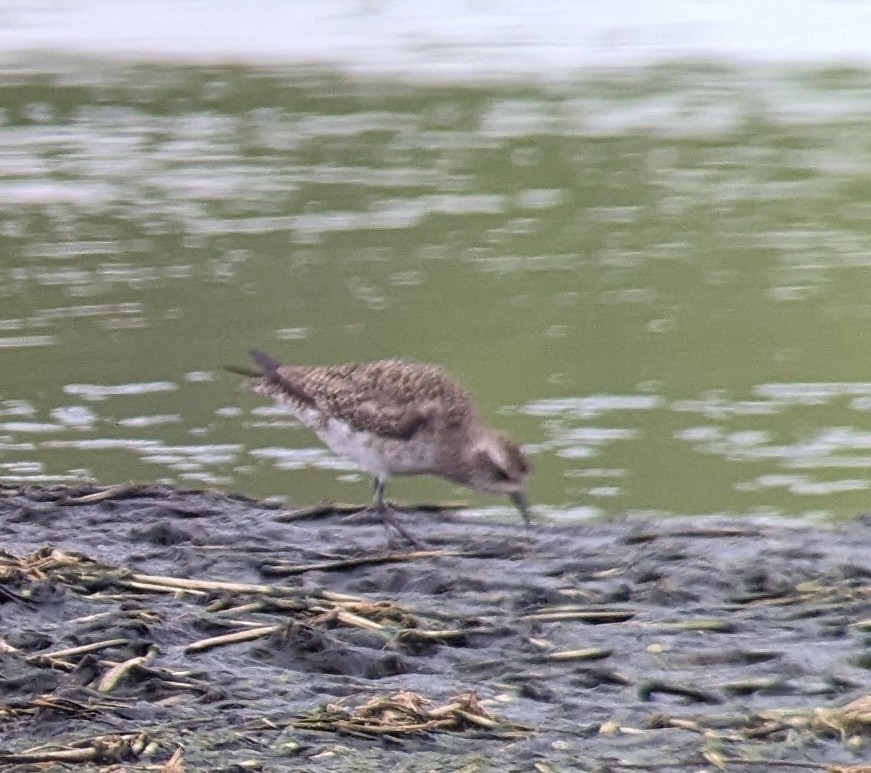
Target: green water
{"points": [[657, 279]]}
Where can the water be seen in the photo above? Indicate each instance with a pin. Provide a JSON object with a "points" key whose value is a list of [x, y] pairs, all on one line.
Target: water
{"points": [[656, 276]]}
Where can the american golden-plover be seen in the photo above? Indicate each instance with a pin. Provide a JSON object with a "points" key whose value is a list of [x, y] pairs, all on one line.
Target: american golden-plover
{"points": [[394, 417]]}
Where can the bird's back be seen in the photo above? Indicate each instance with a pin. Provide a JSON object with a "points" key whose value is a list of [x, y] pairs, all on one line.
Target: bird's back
{"points": [[389, 398]]}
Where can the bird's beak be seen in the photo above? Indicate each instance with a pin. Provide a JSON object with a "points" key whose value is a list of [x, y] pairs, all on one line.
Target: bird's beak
{"points": [[519, 501]]}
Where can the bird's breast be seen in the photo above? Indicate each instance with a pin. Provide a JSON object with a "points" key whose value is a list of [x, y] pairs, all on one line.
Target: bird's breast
{"points": [[375, 454]]}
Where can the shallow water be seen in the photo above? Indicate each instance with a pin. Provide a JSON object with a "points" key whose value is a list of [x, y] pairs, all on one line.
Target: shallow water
{"points": [[657, 277]]}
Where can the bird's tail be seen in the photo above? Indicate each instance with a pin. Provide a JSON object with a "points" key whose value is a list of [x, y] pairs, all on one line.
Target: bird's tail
{"points": [[266, 363]]}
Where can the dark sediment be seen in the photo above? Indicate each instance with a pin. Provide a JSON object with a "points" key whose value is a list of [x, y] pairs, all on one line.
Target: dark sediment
{"points": [[671, 645]]}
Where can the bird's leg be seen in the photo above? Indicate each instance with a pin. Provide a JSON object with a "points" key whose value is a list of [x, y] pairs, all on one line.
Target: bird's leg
{"points": [[378, 495], [388, 514]]}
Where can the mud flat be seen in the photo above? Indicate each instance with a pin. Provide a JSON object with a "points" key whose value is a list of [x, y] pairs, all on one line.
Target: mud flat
{"points": [[148, 628]]}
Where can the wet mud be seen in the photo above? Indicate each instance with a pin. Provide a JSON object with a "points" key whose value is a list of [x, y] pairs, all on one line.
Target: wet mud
{"points": [[147, 628]]}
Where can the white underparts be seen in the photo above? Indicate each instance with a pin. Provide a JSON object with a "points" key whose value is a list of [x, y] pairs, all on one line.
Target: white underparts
{"points": [[379, 456]]}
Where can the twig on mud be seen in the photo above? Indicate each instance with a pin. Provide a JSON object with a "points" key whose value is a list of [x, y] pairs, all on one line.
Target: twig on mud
{"points": [[106, 748], [91, 754], [55, 705], [410, 634], [699, 532], [322, 510], [331, 595], [172, 680], [231, 638], [285, 570], [702, 624], [52, 658], [159, 588], [115, 675], [590, 653], [146, 616], [8, 649], [111, 492], [354, 621], [327, 509], [220, 608], [174, 764], [727, 761], [853, 719], [693, 765], [407, 713], [171, 584], [653, 686], [823, 597], [35, 565], [358, 613], [593, 615]]}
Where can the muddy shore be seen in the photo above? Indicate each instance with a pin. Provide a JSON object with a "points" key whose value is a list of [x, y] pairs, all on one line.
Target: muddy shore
{"points": [[681, 645]]}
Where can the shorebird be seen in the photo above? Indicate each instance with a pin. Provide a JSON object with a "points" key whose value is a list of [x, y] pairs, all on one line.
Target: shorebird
{"points": [[395, 417]]}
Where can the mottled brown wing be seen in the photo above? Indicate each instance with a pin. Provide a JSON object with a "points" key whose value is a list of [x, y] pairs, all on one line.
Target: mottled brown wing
{"points": [[389, 398], [386, 419]]}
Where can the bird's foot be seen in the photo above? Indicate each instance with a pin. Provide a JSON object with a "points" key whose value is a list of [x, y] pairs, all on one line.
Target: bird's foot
{"points": [[388, 514]]}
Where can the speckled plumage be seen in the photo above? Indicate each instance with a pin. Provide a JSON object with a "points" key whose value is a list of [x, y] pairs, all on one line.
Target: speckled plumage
{"points": [[390, 398], [394, 417]]}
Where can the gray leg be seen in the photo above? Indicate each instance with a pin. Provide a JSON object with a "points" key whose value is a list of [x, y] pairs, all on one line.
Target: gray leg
{"points": [[388, 514], [378, 495]]}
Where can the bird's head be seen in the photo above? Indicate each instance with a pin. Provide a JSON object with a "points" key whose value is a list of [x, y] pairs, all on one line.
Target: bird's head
{"points": [[499, 466]]}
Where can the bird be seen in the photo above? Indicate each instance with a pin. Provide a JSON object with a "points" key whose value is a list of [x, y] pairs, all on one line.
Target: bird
{"points": [[396, 417]]}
